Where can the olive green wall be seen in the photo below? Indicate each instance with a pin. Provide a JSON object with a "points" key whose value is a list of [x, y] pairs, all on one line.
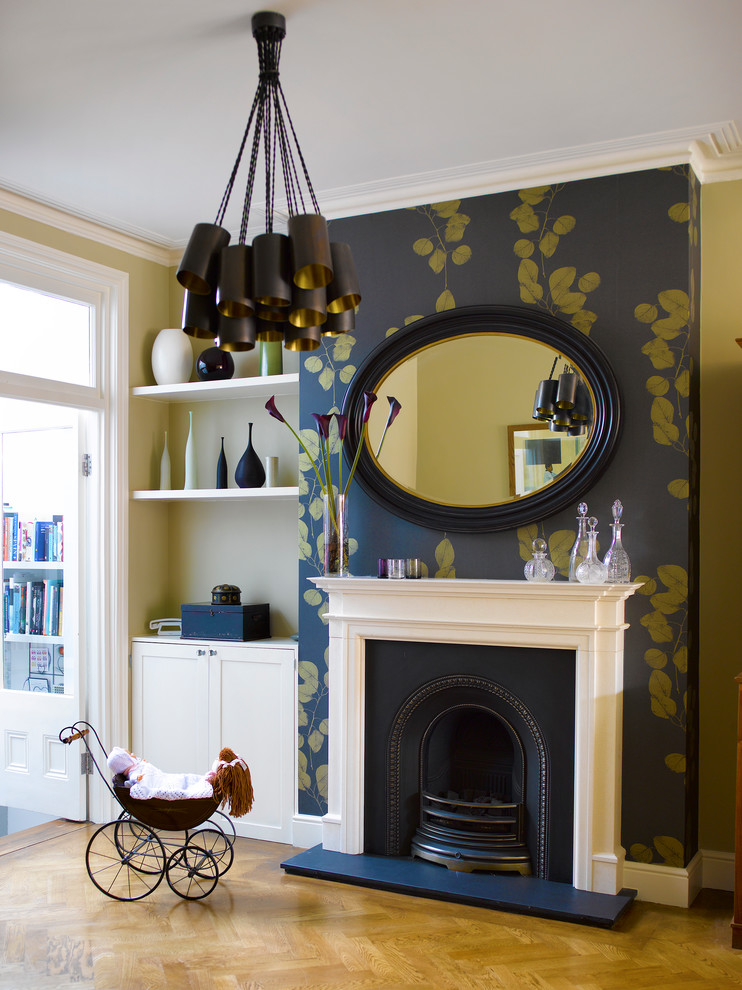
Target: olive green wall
{"points": [[149, 307], [721, 510]]}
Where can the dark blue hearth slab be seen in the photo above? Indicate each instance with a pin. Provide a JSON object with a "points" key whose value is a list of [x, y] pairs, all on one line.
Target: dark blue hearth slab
{"points": [[521, 895]]}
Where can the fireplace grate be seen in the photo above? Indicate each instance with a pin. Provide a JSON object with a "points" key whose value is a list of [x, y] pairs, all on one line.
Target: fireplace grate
{"points": [[483, 834]]}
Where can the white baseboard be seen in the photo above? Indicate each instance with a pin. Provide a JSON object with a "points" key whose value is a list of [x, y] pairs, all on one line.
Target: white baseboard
{"points": [[680, 887], [718, 869], [307, 831]]}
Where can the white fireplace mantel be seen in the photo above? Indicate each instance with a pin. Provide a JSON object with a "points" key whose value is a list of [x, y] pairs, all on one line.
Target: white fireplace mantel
{"points": [[586, 619]]}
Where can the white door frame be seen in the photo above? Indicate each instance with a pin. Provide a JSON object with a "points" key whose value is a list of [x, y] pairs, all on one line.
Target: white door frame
{"points": [[107, 290]]}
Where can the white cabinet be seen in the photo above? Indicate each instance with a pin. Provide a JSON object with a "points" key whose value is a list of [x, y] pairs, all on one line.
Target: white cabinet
{"points": [[190, 698]]}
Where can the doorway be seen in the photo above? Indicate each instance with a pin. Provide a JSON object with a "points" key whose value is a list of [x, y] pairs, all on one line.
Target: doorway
{"points": [[64, 487]]}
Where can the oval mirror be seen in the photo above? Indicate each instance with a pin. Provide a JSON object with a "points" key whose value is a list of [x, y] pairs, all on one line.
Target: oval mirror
{"points": [[476, 445]]}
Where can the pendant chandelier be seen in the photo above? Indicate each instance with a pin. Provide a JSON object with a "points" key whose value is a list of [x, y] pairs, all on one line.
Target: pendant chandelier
{"points": [[564, 402], [295, 287]]}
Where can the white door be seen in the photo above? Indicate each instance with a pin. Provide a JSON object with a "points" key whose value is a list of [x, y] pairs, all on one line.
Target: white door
{"points": [[44, 582]]}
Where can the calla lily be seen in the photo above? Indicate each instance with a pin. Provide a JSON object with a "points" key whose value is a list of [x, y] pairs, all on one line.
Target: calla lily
{"points": [[323, 421], [271, 407], [323, 424], [394, 407], [368, 400]]}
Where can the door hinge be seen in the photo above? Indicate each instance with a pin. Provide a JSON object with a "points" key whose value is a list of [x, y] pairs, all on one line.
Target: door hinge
{"points": [[86, 764], [87, 465]]}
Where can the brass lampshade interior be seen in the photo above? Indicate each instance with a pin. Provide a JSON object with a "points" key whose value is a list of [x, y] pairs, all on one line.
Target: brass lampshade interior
{"points": [[199, 315]]}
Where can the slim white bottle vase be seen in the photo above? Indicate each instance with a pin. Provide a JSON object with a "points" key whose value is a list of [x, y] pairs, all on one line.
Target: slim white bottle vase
{"points": [[190, 456], [165, 476]]}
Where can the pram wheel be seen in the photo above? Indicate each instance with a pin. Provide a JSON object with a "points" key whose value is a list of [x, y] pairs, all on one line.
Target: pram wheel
{"points": [[125, 860], [192, 872], [214, 841]]}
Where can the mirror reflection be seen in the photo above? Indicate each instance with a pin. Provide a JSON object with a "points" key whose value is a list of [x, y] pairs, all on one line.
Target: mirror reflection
{"points": [[466, 435]]}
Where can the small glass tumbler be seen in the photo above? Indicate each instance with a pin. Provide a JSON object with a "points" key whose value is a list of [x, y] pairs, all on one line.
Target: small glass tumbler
{"points": [[381, 565], [413, 567], [395, 567]]}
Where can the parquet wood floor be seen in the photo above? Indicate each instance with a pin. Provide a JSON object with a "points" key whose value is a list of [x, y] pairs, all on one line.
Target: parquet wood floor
{"points": [[263, 930]]}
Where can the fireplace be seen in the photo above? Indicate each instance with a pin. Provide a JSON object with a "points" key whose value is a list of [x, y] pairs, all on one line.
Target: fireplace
{"points": [[472, 811], [536, 669]]}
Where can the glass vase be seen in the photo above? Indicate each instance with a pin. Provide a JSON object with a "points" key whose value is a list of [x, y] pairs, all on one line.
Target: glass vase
{"points": [[335, 532], [616, 559], [580, 546]]}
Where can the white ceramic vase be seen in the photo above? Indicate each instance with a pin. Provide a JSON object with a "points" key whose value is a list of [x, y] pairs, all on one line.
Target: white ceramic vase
{"points": [[172, 357]]}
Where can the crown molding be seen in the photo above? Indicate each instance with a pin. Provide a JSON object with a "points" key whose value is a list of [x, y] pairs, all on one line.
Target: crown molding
{"points": [[713, 151], [141, 244]]}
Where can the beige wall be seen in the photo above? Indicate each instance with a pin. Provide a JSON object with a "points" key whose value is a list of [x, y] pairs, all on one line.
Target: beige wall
{"points": [[720, 508]]}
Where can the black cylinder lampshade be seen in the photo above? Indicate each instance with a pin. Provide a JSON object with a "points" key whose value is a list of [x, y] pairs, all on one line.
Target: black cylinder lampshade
{"points": [[339, 323], [344, 291], [582, 411], [269, 331], [545, 397], [233, 289], [199, 315], [271, 270], [302, 338], [237, 334], [566, 390], [311, 258], [308, 307], [199, 265]]}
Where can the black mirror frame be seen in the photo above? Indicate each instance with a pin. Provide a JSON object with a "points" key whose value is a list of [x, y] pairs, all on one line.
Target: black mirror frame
{"points": [[474, 320]]}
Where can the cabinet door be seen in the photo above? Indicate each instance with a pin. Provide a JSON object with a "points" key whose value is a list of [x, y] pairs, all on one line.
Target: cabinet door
{"points": [[255, 695], [170, 684]]}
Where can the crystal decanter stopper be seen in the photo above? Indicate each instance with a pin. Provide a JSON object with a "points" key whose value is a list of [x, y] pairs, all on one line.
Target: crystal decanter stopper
{"points": [[591, 570], [540, 568], [579, 550], [616, 559]]}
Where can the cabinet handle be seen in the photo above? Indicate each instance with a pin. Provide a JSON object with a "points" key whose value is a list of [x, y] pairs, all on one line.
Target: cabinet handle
{"points": [[212, 653], [200, 653]]}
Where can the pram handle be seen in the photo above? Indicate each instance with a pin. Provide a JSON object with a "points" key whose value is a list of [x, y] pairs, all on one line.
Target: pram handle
{"points": [[75, 735]]}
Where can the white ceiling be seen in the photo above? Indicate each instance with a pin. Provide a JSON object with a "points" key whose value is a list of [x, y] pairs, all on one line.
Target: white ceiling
{"points": [[130, 112]]}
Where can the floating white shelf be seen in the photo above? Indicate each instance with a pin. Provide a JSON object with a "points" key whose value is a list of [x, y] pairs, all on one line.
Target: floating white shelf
{"points": [[33, 565], [218, 494], [233, 388], [40, 640]]}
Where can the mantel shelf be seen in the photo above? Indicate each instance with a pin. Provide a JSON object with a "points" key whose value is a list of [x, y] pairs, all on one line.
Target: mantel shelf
{"points": [[234, 388], [218, 494]]}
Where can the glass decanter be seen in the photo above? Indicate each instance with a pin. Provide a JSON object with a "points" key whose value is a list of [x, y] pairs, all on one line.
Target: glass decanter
{"points": [[580, 547], [540, 568], [616, 559], [591, 570]]}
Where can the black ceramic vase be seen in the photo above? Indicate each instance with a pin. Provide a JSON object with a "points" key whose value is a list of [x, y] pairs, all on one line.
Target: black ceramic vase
{"points": [[221, 469], [249, 473], [214, 365]]}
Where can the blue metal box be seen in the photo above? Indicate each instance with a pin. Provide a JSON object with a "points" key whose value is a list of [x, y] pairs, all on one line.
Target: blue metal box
{"points": [[239, 623]]}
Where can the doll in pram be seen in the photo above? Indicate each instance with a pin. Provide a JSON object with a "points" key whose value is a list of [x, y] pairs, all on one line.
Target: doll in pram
{"points": [[127, 858]]}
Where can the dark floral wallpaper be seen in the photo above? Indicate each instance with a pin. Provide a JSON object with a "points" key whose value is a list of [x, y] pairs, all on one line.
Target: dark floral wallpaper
{"points": [[618, 258]]}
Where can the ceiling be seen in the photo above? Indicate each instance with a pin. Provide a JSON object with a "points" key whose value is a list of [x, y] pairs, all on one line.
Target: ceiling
{"points": [[130, 113]]}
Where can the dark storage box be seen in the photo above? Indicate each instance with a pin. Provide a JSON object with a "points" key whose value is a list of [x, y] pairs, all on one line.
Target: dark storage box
{"points": [[234, 622]]}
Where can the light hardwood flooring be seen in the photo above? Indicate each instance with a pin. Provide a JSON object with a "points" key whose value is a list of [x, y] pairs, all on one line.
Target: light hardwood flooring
{"points": [[263, 930]]}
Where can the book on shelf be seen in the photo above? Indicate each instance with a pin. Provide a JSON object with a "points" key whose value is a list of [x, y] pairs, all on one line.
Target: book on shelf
{"points": [[38, 540], [33, 608]]}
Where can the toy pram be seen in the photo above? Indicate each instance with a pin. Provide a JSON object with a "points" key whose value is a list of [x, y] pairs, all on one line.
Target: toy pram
{"points": [[127, 858]]}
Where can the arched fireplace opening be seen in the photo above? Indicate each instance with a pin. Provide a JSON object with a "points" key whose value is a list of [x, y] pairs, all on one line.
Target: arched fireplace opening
{"points": [[471, 792]]}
